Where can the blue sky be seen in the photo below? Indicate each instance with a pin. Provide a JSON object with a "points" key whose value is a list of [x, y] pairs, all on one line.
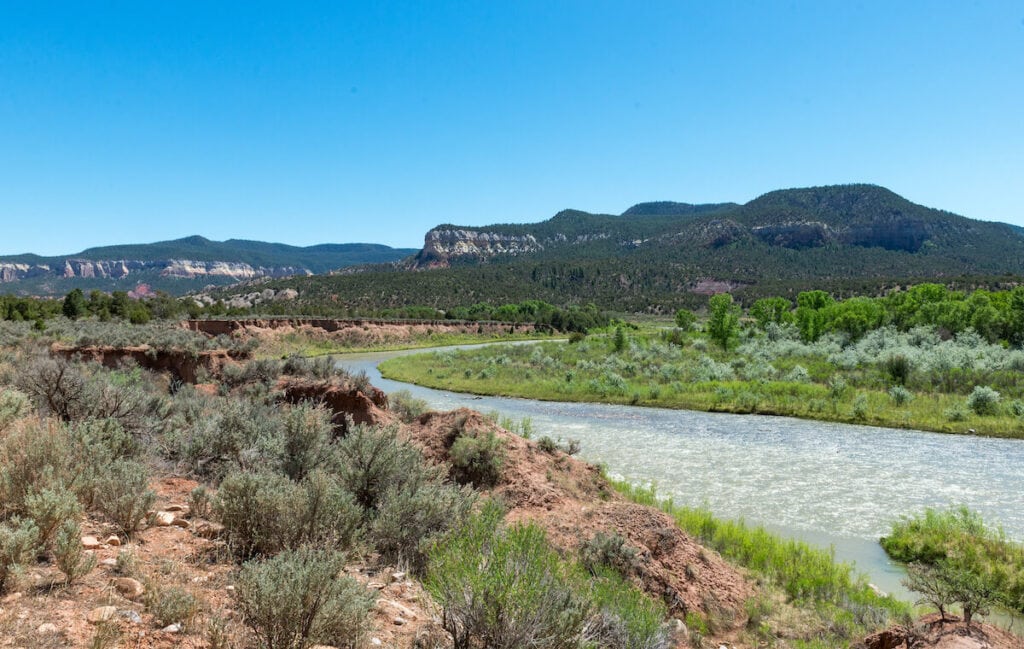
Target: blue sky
{"points": [[373, 121]]}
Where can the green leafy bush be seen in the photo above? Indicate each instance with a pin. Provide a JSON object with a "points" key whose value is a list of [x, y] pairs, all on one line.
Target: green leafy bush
{"points": [[968, 554], [405, 406], [504, 588], [298, 599], [477, 459], [983, 400]]}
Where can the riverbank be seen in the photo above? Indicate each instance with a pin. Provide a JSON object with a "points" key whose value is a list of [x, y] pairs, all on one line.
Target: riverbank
{"points": [[648, 373]]}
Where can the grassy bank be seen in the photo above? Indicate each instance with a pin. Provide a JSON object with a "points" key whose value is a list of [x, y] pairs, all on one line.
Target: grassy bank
{"points": [[836, 605], [889, 382], [306, 345]]}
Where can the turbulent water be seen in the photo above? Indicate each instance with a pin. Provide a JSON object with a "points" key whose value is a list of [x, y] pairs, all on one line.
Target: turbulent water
{"points": [[830, 484]]}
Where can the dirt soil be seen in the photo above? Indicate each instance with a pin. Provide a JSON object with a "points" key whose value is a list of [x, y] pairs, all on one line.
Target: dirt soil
{"points": [[931, 632], [573, 502]]}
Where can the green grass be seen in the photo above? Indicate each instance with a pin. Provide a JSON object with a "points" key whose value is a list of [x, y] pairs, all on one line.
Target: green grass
{"points": [[685, 378], [302, 345], [959, 536], [844, 606]]}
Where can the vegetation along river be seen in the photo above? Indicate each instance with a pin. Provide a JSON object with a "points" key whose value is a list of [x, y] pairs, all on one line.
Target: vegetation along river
{"points": [[826, 483]]}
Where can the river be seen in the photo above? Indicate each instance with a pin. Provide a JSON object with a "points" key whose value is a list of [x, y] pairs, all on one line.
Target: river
{"points": [[830, 484]]}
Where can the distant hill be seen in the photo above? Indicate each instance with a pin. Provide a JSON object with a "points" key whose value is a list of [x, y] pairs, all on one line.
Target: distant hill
{"points": [[858, 238], [181, 265]]}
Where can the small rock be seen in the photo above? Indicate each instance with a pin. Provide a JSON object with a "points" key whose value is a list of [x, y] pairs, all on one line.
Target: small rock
{"points": [[398, 576], [376, 642], [131, 616], [230, 589], [174, 508], [399, 621], [113, 540], [90, 542], [376, 585], [181, 522], [209, 530], [172, 628], [163, 519], [46, 627], [7, 599], [129, 588], [101, 614], [110, 563]]}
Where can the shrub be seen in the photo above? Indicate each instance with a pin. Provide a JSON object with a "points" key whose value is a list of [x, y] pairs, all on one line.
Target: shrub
{"points": [[983, 400], [405, 406], [18, 546], [410, 518], [624, 617], [264, 512], [1017, 408], [900, 395], [123, 495], [171, 604], [504, 588], [13, 405], [298, 599], [477, 459], [609, 551], [954, 413], [370, 461], [199, 503], [69, 553], [307, 432], [898, 367], [49, 509], [547, 444]]}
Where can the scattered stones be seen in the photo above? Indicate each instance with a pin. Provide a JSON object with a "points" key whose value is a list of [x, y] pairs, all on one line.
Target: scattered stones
{"points": [[401, 610], [46, 627], [113, 540], [163, 519], [131, 616], [101, 614], [180, 522], [91, 543], [129, 588], [172, 628]]}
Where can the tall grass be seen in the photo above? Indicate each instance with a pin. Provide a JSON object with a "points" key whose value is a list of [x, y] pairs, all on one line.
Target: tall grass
{"points": [[807, 575]]}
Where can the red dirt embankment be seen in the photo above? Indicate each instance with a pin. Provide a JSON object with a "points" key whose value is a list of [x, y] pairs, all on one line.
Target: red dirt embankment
{"points": [[343, 400], [573, 502], [181, 364]]}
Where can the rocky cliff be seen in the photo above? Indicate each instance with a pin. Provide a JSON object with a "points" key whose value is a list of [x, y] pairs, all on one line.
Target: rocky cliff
{"points": [[122, 268], [443, 245]]}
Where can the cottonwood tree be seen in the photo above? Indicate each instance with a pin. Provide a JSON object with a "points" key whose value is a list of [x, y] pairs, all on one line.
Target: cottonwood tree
{"points": [[723, 321]]}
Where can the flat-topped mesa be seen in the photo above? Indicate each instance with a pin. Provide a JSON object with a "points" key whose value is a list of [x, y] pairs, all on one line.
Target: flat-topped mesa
{"points": [[443, 245], [120, 268]]}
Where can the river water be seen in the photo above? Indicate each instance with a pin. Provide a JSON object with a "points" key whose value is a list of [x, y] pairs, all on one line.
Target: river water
{"points": [[830, 484]]}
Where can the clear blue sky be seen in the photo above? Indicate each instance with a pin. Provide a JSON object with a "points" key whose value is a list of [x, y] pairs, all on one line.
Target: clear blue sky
{"points": [[306, 122]]}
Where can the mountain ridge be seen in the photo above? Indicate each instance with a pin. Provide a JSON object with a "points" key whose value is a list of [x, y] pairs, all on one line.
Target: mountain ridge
{"points": [[664, 254], [182, 265]]}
